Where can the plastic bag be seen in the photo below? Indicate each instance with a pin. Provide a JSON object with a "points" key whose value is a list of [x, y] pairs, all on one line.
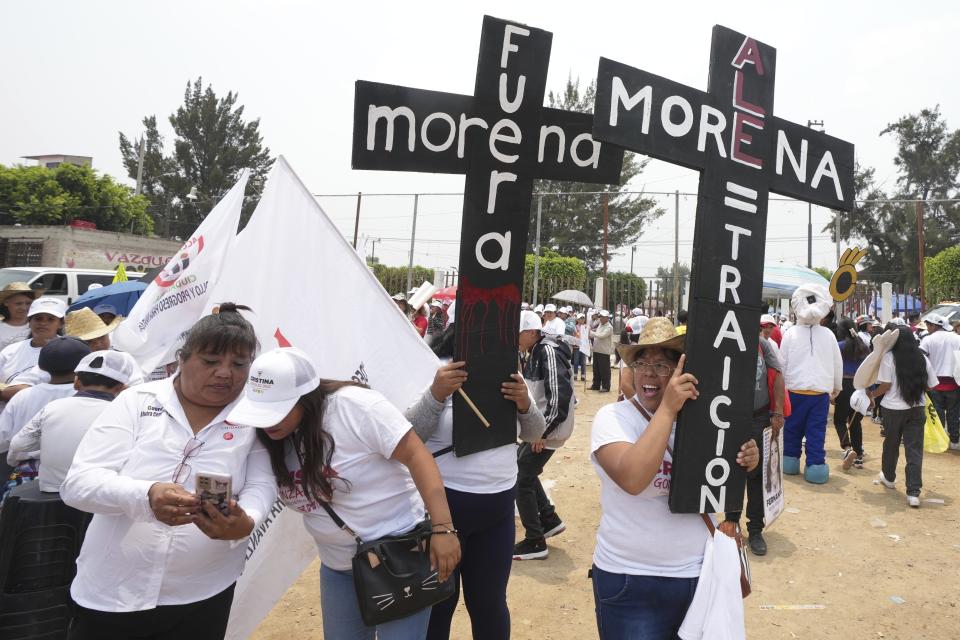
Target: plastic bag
{"points": [[935, 439]]}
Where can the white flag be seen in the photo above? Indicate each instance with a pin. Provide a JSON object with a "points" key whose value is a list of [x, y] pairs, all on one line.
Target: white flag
{"points": [[180, 294], [308, 288]]}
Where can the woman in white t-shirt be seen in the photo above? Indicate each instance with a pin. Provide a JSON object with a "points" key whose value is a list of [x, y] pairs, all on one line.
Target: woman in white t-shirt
{"points": [[346, 445], [45, 319], [15, 300], [647, 560], [481, 490], [904, 377]]}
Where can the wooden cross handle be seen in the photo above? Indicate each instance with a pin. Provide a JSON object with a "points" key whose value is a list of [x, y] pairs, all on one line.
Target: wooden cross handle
{"points": [[470, 404]]}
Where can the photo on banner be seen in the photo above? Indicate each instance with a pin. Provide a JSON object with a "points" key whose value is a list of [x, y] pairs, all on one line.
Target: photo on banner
{"points": [[773, 501]]}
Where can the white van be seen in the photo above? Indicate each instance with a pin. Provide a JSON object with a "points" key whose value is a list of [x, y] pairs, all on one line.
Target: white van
{"points": [[66, 284]]}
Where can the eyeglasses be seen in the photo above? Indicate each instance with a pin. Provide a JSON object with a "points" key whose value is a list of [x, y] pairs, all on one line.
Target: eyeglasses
{"points": [[661, 369], [182, 472]]}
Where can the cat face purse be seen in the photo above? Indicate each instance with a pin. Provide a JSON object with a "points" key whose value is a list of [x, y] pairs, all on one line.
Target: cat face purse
{"points": [[392, 575]]}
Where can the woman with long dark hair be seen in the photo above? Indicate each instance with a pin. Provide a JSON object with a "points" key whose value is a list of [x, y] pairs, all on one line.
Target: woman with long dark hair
{"points": [[157, 563], [345, 445], [845, 420], [904, 377]]}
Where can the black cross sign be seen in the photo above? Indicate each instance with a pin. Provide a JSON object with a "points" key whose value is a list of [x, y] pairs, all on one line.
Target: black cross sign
{"points": [[743, 152], [501, 138]]}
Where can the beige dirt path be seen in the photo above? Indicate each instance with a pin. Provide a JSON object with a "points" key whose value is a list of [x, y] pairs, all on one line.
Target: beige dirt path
{"points": [[851, 548]]}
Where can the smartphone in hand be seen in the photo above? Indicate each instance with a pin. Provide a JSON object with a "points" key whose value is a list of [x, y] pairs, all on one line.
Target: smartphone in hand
{"points": [[216, 489]]}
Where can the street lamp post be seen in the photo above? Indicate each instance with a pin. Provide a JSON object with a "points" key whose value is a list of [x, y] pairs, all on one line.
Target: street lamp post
{"points": [[811, 124]]}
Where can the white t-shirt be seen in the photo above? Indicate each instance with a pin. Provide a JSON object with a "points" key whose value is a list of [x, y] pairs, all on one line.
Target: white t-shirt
{"points": [[638, 535], [888, 373], [10, 334], [490, 471], [56, 431], [381, 498], [939, 347], [23, 407], [17, 358]]}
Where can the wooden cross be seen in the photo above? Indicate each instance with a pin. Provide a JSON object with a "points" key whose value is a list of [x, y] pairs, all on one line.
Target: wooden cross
{"points": [[743, 152], [501, 138]]}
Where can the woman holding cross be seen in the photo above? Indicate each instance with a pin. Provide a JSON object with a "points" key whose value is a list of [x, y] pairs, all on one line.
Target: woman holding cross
{"points": [[647, 560]]}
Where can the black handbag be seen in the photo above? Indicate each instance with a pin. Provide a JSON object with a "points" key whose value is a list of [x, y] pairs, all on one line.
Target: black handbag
{"points": [[392, 576]]}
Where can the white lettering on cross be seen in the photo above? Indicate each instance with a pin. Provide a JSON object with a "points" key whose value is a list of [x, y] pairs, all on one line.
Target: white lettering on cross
{"points": [[717, 421], [511, 106], [829, 169], [593, 159], [729, 281], [496, 136], [374, 113], [730, 330], [450, 136], [799, 168], [619, 95], [466, 123], [561, 141], [503, 239], [496, 177], [509, 47], [676, 129], [713, 128], [735, 240]]}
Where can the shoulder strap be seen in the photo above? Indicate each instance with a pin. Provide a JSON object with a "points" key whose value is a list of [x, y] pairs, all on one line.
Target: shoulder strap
{"points": [[337, 520], [445, 450], [707, 521]]}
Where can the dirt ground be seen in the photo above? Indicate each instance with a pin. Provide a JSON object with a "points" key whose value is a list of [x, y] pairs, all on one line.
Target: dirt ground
{"points": [[848, 559]]}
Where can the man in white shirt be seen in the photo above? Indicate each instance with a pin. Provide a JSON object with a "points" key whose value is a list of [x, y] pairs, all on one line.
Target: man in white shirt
{"points": [[56, 430], [942, 347], [59, 358]]}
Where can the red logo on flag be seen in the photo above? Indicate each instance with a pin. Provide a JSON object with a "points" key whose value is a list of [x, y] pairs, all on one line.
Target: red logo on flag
{"points": [[228, 436]]}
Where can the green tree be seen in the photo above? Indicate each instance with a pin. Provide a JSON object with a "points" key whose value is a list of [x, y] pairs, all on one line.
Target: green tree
{"points": [[823, 271], [665, 279], [942, 273], [928, 163], [41, 196], [572, 218], [212, 145]]}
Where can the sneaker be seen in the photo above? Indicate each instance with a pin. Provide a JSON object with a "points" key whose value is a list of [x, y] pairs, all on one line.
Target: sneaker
{"points": [[882, 479], [848, 457], [757, 544], [955, 446], [552, 526], [858, 463], [913, 501], [530, 549]]}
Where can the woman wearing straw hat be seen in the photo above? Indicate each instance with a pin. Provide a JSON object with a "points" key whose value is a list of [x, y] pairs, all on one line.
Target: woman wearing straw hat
{"points": [[647, 560], [15, 300]]}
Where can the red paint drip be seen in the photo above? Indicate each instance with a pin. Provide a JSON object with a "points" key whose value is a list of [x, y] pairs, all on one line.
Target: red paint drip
{"points": [[474, 305], [282, 342]]}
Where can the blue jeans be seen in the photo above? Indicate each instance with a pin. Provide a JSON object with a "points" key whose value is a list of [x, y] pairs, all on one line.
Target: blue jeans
{"points": [[640, 607], [341, 613]]}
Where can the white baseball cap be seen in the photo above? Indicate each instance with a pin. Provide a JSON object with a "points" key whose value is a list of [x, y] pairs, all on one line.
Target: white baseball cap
{"points": [[637, 311], [603, 313], [278, 378], [939, 320], [530, 320], [550, 307], [524, 305], [767, 319], [538, 308], [115, 365], [54, 306]]}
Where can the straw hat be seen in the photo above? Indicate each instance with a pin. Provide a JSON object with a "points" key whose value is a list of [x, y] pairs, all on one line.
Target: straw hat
{"points": [[86, 325], [15, 288], [659, 333], [866, 374]]}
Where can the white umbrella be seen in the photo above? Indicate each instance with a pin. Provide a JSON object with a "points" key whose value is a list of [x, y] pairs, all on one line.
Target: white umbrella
{"points": [[781, 280], [574, 296]]}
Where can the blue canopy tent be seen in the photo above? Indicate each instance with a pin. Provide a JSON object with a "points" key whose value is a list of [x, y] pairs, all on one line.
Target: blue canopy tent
{"points": [[122, 295], [781, 280]]}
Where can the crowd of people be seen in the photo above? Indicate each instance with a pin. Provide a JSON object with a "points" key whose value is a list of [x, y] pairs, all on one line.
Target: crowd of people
{"points": [[160, 561]]}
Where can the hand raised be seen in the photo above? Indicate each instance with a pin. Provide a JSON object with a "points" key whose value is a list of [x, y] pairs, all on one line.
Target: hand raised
{"points": [[681, 387], [447, 380]]}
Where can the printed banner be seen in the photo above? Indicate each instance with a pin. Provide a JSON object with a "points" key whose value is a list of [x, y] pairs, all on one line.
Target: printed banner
{"points": [[772, 476], [179, 295], [308, 288]]}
